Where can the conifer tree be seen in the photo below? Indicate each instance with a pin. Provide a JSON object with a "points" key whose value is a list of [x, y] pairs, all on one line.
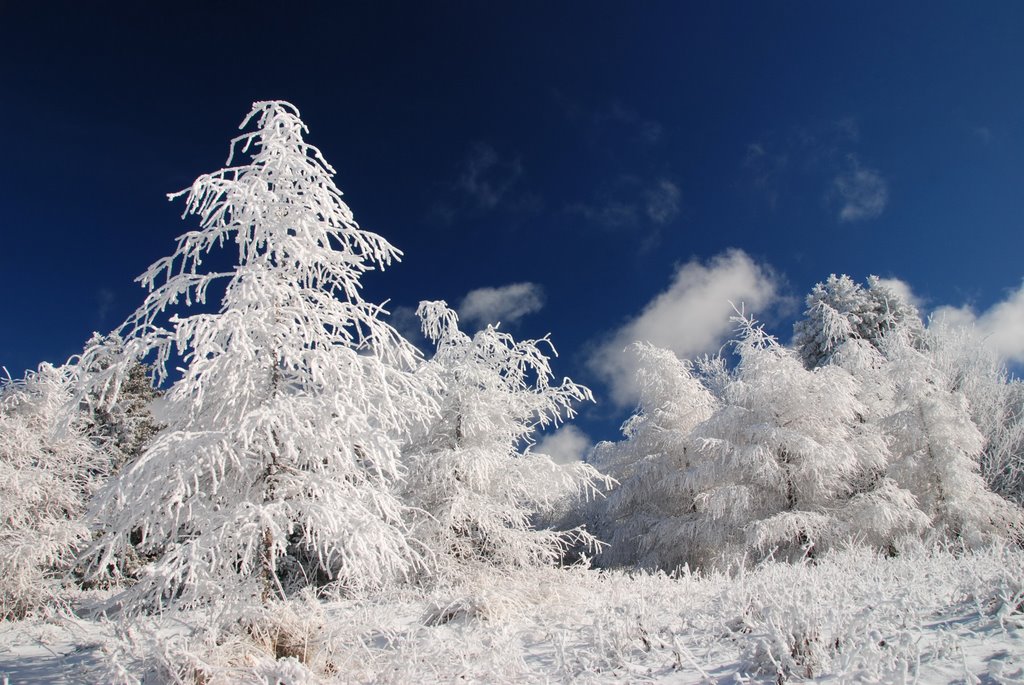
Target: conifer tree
{"points": [[121, 422], [839, 310], [646, 520], [280, 455]]}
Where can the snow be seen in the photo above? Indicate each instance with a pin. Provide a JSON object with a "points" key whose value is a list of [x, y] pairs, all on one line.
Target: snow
{"points": [[854, 616], [61, 651]]}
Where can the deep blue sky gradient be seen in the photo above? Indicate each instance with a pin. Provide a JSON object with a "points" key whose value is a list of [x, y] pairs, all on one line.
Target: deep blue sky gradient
{"points": [[750, 109]]}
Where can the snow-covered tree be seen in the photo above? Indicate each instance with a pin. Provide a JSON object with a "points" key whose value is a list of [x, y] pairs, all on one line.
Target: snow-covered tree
{"points": [[937, 449], [840, 309], [644, 518], [281, 449], [778, 461], [48, 469], [995, 399], [472, 472], [947, 410], [787, 464], [121, 421]]}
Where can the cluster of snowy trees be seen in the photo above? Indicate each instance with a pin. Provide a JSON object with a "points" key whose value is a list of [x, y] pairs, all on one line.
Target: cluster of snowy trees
{"points": [[871, 429], [303, 442]]}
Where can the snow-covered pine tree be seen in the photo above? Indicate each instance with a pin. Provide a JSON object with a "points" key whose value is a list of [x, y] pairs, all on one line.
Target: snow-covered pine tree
{"points": [[840, 309], [280, 455], [121, 421], [48, 469], [472, 472]]}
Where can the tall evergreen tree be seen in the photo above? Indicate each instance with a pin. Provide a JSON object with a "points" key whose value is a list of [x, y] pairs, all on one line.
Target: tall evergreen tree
{"points": [[280, 455]]}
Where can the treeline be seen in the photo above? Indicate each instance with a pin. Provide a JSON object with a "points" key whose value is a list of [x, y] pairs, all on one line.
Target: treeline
{"points": [[305, 444], [872, 429]]}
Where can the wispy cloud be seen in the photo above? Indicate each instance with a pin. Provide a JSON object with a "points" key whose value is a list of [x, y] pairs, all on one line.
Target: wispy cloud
{"points": [[690, 317], [611, 213], [631, 202], [766, 170], [646, 130], [104, 303], [485, 181], [485, 177], [505, 304], [614, 119], [862, 193], [662, 201], [567, 445], [1001, 325], [817, 155], [982, 134]]}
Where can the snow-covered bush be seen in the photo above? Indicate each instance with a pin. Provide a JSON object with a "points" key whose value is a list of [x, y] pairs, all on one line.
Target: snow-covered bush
{"points": [[48, 469], [852, 616], [278, 464], [472, 473]]}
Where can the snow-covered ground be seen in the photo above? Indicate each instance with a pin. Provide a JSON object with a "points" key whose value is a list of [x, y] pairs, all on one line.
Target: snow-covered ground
{"points": [[850, 617]]}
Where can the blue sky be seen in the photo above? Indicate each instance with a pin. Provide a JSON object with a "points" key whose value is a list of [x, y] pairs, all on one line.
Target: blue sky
{"points": [[626, 167]]}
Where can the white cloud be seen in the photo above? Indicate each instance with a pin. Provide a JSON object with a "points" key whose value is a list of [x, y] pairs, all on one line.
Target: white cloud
{"points": [[566, 445], [767, 171], [862, 192], [690, 317], [902, 289], [1002, 325], [507, 303]]}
